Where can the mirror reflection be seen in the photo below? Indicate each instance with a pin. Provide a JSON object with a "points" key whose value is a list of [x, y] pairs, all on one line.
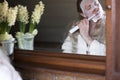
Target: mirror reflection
{"points": [[60, 17], [88, 33]]}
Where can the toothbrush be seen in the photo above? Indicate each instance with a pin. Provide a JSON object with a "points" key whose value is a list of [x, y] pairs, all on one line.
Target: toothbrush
{"points": [[76, 27]]}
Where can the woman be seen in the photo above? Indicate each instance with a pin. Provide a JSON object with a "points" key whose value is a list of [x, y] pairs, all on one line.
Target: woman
{"points": [[90, 37]]}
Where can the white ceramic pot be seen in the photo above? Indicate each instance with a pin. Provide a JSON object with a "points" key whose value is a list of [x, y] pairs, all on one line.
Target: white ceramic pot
{"points": [[26, 42], [8, 46]]}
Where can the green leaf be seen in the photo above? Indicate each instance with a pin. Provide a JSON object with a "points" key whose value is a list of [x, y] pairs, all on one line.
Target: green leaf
{"points": [[22, 27], [32, 26], [4, 27]]}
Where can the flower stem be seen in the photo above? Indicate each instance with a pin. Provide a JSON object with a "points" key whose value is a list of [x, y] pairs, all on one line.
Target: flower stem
{"points": [[4, 28], [22, 27], [32, 26]]}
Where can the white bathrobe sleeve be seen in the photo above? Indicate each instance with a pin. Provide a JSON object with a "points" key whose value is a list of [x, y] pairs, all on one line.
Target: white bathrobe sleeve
{"points": [[7, 71], [97, 48], [81, 45], [67, 45]]}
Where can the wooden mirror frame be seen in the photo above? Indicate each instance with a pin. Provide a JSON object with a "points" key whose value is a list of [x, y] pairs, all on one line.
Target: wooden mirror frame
{"points": [[109, 66], [112, 58], [89, 66]]}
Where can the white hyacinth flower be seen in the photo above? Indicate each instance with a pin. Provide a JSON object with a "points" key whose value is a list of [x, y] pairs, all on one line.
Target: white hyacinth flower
{"points": [[22, 14], [35, 32], [11, 16], [38, 11], [5, 36], [3, 11], [19, 34]]}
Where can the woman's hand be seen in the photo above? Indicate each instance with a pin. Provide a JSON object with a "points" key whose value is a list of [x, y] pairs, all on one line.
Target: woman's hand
{"points": [[84, 30]]}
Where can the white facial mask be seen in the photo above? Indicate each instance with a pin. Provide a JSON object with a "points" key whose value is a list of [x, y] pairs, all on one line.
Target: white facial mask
{"points": [[91, 6]]}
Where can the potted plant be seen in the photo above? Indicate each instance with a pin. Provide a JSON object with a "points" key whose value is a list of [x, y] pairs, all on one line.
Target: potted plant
{"points": [[26, 39], [7, 20]]}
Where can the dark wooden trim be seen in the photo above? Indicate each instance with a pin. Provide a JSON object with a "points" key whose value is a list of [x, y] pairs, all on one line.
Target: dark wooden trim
{"points": [[60, 61], [109, 36]]}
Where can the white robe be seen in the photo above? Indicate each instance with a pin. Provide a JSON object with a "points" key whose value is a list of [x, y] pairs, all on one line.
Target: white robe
{"points": [[7, 71], [95, 48]]}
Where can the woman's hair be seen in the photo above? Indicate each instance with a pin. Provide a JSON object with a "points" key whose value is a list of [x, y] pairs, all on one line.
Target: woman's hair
{"points": [[78, 6]]}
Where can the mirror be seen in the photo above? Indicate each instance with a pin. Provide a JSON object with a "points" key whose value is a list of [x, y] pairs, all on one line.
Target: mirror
{"points": [[53, 27]]}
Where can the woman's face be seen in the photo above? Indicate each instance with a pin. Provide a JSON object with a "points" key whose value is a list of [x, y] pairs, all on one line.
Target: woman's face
{"points": [[91, 7]]}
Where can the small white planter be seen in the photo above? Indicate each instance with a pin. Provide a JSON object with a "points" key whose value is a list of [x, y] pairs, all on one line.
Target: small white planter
{"points": [[26, 42], [8, 46]]}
